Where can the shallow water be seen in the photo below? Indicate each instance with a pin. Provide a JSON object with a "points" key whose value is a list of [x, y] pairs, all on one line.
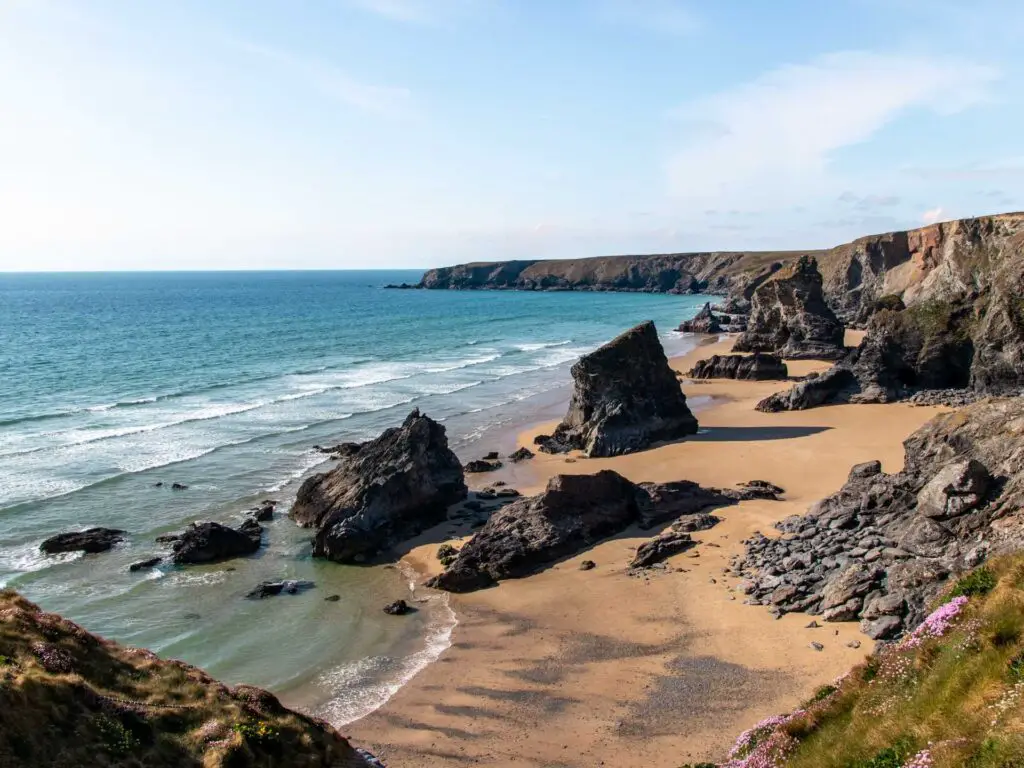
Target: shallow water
{"points": [[225, 382]]}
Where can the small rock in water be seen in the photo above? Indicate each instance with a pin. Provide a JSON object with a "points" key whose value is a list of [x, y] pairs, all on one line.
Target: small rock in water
{"points": [[397, 608], [159, 484], [271, 588], [263, 512], [588, 565], [332, 598], [179, 487], [192, 616], [521, 455], [492, 456], [143, 565], [818, 646]]}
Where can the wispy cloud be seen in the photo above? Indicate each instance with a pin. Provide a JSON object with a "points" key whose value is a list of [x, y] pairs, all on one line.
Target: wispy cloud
{"points": [[934, 215], [779, 131], [672, 17], [382, 100], [1012, 168], [425, 12]]}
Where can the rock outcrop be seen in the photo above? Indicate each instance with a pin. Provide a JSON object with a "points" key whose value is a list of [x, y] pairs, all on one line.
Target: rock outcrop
{"points": [[71, 698], [89, 541], [625, 398], [212, 542], [393, 488], [703, 322], [575, 512], [883, 546], [789, 317], [273, 588], [836, 385], [661, 548], [756, 367]]}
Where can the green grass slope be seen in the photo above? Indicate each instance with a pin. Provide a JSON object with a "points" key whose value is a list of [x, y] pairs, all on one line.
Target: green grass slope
{"points": [[949, 695]]}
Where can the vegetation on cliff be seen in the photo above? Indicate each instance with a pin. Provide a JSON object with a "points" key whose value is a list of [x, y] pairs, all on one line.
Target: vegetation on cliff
{"points": [[70, 699], [948, 695]]}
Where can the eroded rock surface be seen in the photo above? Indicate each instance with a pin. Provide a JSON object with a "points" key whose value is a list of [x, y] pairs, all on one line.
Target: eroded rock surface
{"points": [[756, 367], [90, 541], [393, 488], [210, 542]]}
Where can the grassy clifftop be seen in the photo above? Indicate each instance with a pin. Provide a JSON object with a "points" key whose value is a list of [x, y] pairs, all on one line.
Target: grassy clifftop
{"points": [[69, 698], [949, 695]]}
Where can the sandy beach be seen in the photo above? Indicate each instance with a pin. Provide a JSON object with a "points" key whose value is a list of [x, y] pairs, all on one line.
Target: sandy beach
{"points": [[587, 668]]}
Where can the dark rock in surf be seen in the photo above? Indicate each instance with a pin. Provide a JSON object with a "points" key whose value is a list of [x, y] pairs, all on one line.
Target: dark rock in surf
{"points": [[273, 588], [521, 454], [395, 487], [145, 565], [397, 608], [479, 466], [210, 542], [703, 322], [90, 541]]}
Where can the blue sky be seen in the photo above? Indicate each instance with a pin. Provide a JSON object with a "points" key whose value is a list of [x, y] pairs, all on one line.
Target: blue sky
{"points": [[232, 134]]}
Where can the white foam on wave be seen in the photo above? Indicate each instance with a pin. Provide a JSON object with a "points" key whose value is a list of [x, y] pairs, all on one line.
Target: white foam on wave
{"points": [[28, 558], [457, 365], [198, 579], [537, 346], [361, 687]]}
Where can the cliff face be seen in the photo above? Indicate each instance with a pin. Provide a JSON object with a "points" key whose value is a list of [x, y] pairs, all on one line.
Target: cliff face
{"points": [[69, 699], [933, 262], [663, 273]]}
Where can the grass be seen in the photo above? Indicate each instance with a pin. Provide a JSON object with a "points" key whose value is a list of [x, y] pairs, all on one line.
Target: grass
{"points": [[70, 699], [947, 702]]}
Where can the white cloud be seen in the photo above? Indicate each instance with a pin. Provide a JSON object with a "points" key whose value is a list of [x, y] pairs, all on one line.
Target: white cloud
{"points": [[667, 16], [934, 215], [773, 137], [387, 101]]}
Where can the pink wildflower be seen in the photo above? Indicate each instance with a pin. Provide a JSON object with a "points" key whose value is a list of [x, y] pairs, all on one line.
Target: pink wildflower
{"points": [[937, 623], [922, 759]]}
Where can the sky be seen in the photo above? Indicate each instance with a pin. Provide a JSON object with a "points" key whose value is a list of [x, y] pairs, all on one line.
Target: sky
{"points": [[337, 134]]}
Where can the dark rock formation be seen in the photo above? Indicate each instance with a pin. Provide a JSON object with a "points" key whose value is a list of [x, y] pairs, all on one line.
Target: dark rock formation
{"points": [[212, 542], [481, 465], [397, 608], [145, 565], [89, 541], [703, 322], [263, 512], [836, 385], [273, 588], [588, 565], [882, 547], [661, 548], [789, 317], [625, 398], [575, 512], [548, 444], [756, 367], [520, 454], [178, 487], [395, 487]]}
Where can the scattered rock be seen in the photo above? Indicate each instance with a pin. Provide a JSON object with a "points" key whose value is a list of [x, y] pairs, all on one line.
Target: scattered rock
{"points": [[492, 456], [481, 465], [273, 588], [397, 608], [90, 541], [521, 454], [212, 542], [395, 487], [817, 646], [263, 513], [756, 367], [661, 548], [625, 398], [158, 484], [588, 565], [145, 565], [179, 487], [332, 598], [853, 644]]}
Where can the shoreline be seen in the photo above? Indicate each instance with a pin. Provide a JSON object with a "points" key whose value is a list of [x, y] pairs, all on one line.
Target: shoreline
{"points": [[572, 668]]}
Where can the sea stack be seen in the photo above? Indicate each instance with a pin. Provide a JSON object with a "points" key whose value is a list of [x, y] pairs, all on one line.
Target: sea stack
{"points": [[789, 317], [625, 398], [392, 488]]}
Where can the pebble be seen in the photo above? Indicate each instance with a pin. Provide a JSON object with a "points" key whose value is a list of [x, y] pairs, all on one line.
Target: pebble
{"points": [[818, 646]]}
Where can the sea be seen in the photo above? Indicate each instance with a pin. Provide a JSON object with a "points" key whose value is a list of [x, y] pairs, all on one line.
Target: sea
{"points": [[111, 384]]}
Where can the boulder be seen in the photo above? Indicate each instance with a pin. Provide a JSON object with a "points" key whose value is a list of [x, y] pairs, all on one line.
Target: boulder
{"points": [[263, 513], [957, 488], [273, 588], [789, 317], [397, 608], [836, 385], [481, 465], [625, 398], [677, 499], [90, 541], [178, 487], [703, 322], [756, 367], [395, 487], [573, 512], [212, 542], [145, 565], [521, 454], [588, 565], [661, 548]]}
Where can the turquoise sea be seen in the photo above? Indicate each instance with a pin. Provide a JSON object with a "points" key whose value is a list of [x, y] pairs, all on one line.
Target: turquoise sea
{"points": [[224, 382]]}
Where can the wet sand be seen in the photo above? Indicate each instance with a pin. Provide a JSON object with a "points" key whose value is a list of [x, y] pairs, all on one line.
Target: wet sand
{"points": [[588, 668]]}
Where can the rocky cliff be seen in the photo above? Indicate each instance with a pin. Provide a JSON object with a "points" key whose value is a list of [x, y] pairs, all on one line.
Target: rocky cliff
{"points": [[70, 699]]}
